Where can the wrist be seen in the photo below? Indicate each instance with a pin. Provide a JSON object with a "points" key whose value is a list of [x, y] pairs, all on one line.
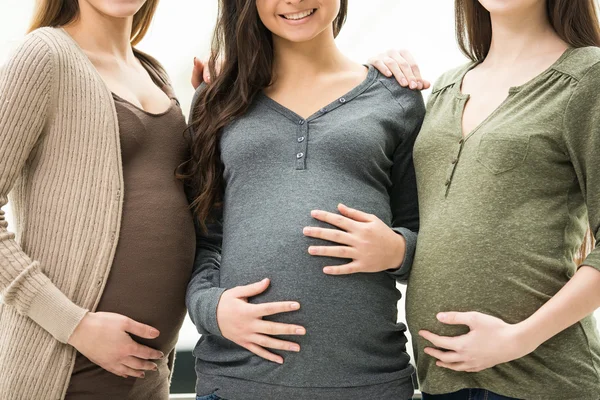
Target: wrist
{"points": [[527, 336], [73, 339], [399, 251]]}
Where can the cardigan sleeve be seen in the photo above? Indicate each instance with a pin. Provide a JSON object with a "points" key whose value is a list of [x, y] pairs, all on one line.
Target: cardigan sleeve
{"points": [[582, 138], [26, 96]]}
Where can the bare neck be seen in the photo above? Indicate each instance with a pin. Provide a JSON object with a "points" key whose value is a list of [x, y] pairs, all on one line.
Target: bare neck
{"points": [[102, 35], [302, 62], [522, 37]]}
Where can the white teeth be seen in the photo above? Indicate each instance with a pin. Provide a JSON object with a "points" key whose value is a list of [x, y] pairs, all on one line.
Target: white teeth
{"points": [[298, 15]]}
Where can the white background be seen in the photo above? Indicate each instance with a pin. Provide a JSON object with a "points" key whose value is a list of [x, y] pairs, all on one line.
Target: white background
{"points": [[182, 30]]}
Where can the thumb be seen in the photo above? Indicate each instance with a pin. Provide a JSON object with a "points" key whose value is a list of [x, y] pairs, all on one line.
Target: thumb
{"points": [[251, 290], [141, 330], [197, 77], [458, 318], [356, 215]]}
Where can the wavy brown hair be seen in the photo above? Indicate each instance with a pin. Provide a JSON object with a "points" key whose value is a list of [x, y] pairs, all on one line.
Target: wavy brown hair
{"points": [[56, 13], [246, 44], [575, 22]]}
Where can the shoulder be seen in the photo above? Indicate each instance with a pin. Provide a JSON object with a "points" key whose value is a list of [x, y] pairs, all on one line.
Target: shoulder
{"points": [[451, 77], [581, 63], [37, 46], [34, 61], [411, 101]]}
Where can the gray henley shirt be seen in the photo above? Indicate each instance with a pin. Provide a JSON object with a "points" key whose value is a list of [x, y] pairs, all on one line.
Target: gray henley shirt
{"points": [[278, 167]]}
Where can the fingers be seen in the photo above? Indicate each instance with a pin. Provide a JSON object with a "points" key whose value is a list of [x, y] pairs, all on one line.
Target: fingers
{"points": [[275, 344], [254, 289], [458, 318], [126, 372], [354, 214], [144, 352], [345, 252], [448, 357], [197, 74], [333, 219], [414, 67], [275, 328], [397, 72], [442, 342], [346, 269], [265, 309], [332, 235], [139, 364], [461, 367], [404, 66], [267, 355], [139, 329], [380, 65]]}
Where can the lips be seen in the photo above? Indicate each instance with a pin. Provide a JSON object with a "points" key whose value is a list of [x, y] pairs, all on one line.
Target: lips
{"points": [[299, 15]]}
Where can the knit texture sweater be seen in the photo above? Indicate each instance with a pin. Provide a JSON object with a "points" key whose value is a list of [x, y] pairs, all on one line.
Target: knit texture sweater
{"points": [[60, 162]]}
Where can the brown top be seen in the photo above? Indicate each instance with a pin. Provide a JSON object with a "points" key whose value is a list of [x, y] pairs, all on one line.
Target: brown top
{"points": [[154, 256]]}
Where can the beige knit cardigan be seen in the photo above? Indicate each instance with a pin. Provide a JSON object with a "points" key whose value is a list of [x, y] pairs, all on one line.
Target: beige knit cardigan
{"points": [[60, 161]]}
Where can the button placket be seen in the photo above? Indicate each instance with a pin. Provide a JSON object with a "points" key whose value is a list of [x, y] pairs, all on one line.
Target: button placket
{"points": [[301, 144], [453, 164]]}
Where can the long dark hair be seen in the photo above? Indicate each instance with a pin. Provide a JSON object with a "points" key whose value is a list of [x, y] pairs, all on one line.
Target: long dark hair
{"points": [[245, 45], [575, 22]]}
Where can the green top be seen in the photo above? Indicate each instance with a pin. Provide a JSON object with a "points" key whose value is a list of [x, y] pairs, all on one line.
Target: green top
{"points": [[503, 213]]}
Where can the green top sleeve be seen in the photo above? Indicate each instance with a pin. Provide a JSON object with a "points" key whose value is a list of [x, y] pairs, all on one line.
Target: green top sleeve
{"points": [[582, 138]]}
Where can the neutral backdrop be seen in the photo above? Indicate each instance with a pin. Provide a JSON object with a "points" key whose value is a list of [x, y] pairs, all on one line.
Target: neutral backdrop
{"points": [[182, 29]]}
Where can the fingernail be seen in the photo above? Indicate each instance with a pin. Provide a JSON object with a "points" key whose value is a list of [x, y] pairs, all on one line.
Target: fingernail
{"points": [[306, 231], [155, 368], [279, 361], [327, 270], [388, 73], [264, 280], [300, 331], [295, 306], [295, 348], [404, 82], [413, 85], [155, 332], [311, 250], [162, 355], [143, 375], [441, 316], [195, 60]]}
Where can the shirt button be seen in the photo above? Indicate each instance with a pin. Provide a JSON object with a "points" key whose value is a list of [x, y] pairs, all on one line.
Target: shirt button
{"points": [[447, 182], [299, 155], [342, 100], [301, 139], [323, 110], [301, 122]]}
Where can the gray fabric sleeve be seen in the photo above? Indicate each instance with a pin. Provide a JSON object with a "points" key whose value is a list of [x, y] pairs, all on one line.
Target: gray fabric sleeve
{"points": [[403, 195], [204, 291]]}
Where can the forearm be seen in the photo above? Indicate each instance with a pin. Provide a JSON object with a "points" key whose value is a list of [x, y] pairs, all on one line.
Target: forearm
{"points": [[579, 298]]}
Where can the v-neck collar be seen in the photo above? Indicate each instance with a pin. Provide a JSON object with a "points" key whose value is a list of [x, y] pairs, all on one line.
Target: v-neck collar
{"points": [[457, 89], [296, 118]]}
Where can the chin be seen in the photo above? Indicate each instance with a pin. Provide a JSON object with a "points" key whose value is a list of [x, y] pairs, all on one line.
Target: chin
{"points": [[504, 7], [119, 8]]}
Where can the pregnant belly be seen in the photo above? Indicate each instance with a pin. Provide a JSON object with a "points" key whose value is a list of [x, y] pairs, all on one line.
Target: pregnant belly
{"points": [[152, 268]]}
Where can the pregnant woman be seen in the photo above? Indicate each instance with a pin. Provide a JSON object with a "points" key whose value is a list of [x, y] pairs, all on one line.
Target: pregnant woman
{"points": [[501, 293], [291, 125], [94, 281]]}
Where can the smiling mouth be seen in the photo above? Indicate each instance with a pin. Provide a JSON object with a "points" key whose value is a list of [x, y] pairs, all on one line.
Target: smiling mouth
{"points": [[299, 16]]}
